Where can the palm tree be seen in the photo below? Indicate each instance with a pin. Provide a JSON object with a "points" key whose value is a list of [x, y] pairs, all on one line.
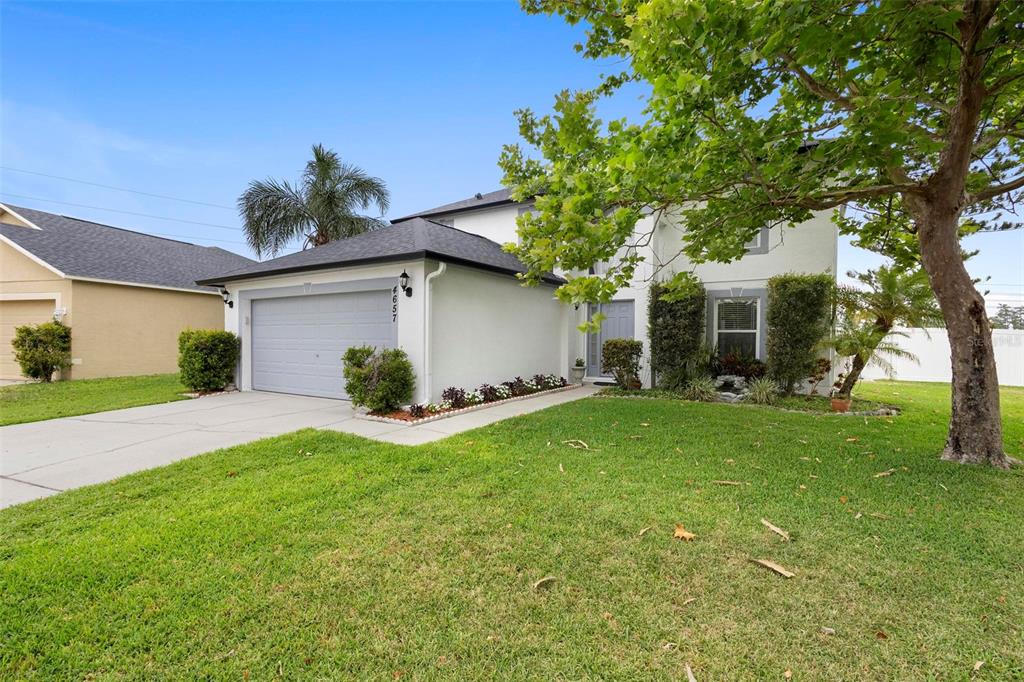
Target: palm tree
{"points": [[322, 208], [864, 344], [893, 297]]}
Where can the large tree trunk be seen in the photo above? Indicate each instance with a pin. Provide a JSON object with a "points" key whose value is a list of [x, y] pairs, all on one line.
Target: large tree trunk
{"points": [[975, 431]]}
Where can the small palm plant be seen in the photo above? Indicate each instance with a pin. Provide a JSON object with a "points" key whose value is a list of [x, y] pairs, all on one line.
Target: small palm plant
{"points": [[864, 345], [323, 207], [892, 297]]}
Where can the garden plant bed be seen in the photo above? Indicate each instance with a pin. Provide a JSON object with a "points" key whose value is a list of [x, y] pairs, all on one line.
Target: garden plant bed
{"points": [[405, 417], [797, 403]]}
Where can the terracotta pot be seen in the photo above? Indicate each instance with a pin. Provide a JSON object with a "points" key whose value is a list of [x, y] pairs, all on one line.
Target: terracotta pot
{"points": [[841, 404]]}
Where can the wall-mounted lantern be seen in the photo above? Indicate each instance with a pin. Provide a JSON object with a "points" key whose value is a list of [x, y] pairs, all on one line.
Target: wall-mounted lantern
{"points": [[403, 281], [227, 298]]}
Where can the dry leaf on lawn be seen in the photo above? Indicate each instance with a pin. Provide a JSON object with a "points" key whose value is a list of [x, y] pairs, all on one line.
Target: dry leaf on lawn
{"points": [[546, 581], [977, 665], [775, 529], [644, 531], [576, 443], [881, 635], [689, 600], [852, 440], [689, 674], [669, 646], [561, 468], [887, 472], [774, 567], [788, 674], [727, 482], [682, 533]]}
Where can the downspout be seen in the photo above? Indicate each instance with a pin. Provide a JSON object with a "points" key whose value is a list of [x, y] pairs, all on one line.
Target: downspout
{"points": [[442, 266]]}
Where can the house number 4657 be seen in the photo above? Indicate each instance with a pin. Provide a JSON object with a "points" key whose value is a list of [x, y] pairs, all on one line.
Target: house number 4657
{"points": [[394, 304]]}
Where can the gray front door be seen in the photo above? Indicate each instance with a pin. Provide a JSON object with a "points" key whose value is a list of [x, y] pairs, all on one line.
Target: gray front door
{"points": [[298, 341], [617, 324]]}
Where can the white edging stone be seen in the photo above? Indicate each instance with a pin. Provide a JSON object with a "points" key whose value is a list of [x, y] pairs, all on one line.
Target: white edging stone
{"points": [[451, 413]]}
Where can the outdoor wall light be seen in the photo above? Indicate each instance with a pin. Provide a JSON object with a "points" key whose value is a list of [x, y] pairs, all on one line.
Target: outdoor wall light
{"points": [[227, 298], [403, 281]]}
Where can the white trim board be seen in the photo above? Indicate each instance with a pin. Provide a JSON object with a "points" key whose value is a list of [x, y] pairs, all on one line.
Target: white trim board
{"points": [[31, 225], [141, 285]]}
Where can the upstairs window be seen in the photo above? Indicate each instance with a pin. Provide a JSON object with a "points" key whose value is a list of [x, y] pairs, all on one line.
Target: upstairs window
{"points": [[736, 326]]}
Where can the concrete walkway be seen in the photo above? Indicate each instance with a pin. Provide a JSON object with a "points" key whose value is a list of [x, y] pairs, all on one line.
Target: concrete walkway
{"points": [[44, 458]]}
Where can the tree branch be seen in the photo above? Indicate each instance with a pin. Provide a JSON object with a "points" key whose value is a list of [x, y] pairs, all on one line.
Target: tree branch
{"points": [[993, 191]]}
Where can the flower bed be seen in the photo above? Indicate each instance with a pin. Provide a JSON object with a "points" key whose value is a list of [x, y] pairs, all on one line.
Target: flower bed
{"points": [[457, 400]]}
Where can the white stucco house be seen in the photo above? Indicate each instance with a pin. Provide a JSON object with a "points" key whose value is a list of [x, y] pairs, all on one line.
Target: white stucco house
{"points": [[439, 285]]}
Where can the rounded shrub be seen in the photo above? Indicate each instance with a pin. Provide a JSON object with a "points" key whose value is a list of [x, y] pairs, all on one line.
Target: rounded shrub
{"points": [[42, 349], [381, 380], [621, 358], [207, 359]]}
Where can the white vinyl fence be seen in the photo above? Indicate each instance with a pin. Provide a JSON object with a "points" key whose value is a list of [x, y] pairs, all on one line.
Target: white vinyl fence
{"points": [[931, 346]]}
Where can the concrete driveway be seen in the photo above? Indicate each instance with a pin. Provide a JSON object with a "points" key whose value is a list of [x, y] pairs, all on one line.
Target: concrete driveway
{"points": [[44, 458]]}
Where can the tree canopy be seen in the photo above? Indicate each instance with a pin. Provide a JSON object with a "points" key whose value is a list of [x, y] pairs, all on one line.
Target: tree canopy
{"points": [[759, 114]]}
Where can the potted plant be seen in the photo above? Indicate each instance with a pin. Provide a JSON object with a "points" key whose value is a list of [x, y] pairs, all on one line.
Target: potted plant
{"points": [[840, 402], [578, 370]]}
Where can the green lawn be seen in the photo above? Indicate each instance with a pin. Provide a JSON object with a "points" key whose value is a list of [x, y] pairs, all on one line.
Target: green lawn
{"points": [[324, 556], [34, 402]]}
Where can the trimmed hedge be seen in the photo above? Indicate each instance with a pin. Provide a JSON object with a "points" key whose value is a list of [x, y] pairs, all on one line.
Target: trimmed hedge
{"points": [[381, 380], [675, 325], [207, 359], [621, 357], [799, 312], [42, 349]]}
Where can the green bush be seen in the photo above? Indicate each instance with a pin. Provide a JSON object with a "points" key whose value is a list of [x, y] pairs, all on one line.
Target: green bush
{"points": [[621, 358], [798, 319], [42, 349], [675, 324], [381, 380], [207, 359], [701, 389], [762, 391]]}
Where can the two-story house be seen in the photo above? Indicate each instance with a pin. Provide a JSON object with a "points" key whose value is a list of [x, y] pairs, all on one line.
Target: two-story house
{"points": [[439, 285]]}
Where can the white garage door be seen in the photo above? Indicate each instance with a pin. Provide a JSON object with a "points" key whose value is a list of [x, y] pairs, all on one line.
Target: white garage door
{"points": [[298, 341]]}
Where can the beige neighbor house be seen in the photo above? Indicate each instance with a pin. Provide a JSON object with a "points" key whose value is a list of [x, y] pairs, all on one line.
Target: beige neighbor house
{"points": [[126, 295]]}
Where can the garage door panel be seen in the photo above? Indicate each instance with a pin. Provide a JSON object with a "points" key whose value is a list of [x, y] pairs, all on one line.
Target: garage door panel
{"points": [[298, 342]]}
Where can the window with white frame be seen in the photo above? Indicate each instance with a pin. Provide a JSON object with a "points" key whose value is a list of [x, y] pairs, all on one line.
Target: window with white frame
{"points": [[736, 326]]}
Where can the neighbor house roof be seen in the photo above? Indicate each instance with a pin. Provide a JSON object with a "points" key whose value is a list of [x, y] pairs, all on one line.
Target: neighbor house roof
{"points": [[495, 198], [80, 249], [411, 239]]}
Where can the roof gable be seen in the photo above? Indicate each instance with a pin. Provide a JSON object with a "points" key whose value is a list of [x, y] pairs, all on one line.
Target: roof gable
{"points": [[80, 249]]}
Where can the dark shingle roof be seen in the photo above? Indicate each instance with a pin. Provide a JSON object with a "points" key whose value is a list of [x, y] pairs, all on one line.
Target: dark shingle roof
{"points": [[411, 239], [501, 196], [80, 248]]}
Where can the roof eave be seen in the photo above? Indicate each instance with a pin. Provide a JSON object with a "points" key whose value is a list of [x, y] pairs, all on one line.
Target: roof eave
{"points": [[412, 255], [463, 209]]}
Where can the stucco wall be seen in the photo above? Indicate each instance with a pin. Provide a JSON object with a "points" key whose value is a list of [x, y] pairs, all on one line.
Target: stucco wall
{"points": [[124, 330], [487, 328], [497, 223]]}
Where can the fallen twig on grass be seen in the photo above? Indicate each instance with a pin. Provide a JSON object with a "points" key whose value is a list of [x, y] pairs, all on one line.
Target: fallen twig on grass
{"points": [[774, 567], [775, 529]]}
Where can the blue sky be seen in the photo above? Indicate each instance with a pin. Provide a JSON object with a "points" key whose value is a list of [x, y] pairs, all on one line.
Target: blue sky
{"points": [[194, 100]]}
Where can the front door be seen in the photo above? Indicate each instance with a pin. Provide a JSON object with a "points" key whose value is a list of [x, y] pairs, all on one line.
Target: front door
{"points": [[617, 324]]}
